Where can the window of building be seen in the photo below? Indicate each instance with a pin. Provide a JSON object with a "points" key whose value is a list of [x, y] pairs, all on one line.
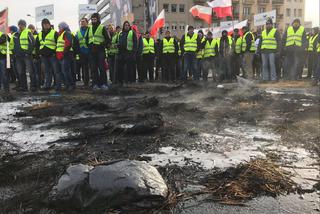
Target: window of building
{"points": [[262, 10], [246, 10], [295, 12], [166, 7], [181, 8], [288, 12], [173, 8], [182, 26], [300, 12], [174, 26]]}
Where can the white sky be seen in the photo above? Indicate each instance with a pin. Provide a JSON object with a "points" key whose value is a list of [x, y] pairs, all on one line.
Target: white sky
{"points": [[67, 10]]}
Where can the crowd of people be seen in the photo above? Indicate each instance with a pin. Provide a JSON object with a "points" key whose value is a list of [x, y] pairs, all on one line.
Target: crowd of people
{"points": [[98, 54]]}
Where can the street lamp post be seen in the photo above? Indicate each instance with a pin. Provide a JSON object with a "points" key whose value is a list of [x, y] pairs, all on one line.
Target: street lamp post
{"points": [[35, 20]]}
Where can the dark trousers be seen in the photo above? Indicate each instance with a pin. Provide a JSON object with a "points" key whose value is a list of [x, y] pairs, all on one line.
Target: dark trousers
{"points": [[126, 66], [148, 67], [4, 78], [168, 67], [292, 65], [50, 66], [112, 60], [138, 67], [98, 69], [65, 72], [312, 63], [24, 66], [84, 67], [236, 64]]}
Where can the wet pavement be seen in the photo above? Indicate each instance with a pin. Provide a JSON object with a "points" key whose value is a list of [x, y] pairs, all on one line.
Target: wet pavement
{"points": [[187, 131]]}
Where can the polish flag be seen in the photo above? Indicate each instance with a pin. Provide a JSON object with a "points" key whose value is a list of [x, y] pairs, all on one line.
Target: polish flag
{"points": [[159, 23], [202, 12], [222, 8]]}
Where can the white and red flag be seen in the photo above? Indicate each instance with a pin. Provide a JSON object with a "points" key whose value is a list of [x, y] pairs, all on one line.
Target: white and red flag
{"points": [[159, 23], [202, 12], [4, 20], [222, 8]]}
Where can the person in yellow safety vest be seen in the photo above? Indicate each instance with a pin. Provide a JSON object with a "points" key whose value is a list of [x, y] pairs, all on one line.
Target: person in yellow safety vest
{"points": [[190, 44], [225, 54], [23, 47], [46, 44], [82, 50], [169, 49], [248, 50], [316, 74], [148, 56], [113, 55], [128, 44], [312, 52], [199, 55], [268, 47], [4, 77], [64, 56], [36, 59], [294, 43], [210, 56], [98, 39], [236, 57]]}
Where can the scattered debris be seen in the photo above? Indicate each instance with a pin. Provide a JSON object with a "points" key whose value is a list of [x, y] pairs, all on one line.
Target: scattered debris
{"points": [[249, 180]]}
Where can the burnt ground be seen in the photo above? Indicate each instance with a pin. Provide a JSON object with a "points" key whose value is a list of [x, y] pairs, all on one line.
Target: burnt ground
{"points": [[138, 121]]}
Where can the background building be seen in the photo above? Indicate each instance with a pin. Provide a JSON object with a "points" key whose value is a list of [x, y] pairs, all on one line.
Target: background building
{"points": [[144, 12]]}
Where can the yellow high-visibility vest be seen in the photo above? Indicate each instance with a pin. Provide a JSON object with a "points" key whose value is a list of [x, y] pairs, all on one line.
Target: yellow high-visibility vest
{"points": [[244, 42], [238, 45], [209, 49], [269, 40], [191, 43], [49, 41], [60, 43], [294, 38], [148, 47], [168, 46], [97, 37], [200, 52], [3, 46], [311, 41], [24, 39]]}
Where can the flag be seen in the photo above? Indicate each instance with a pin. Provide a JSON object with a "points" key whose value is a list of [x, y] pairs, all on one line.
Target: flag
{"points": [[4, 20], [222, 8], [159, 23], [202, 12]]}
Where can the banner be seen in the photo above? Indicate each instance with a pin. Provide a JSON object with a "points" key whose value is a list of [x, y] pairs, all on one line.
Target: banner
{"points": [[87, 8], [229, 23], [261, 18], [217, 31], [46, 11], [4, 20], [121, 10]]}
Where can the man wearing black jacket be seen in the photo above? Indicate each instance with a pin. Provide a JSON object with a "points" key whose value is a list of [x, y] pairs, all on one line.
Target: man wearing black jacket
{"points": [[46, 48], [169, 49], [98, 39]]}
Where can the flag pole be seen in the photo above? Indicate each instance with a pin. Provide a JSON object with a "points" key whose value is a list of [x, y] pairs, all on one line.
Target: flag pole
{"points": [[7, 43]]}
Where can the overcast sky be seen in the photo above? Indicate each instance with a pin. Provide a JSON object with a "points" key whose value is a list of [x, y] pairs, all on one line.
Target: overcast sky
{"points": [[67, 10]]}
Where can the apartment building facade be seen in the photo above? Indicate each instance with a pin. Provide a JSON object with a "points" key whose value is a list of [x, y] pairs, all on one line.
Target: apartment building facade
{"points": [[178, 16]]}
